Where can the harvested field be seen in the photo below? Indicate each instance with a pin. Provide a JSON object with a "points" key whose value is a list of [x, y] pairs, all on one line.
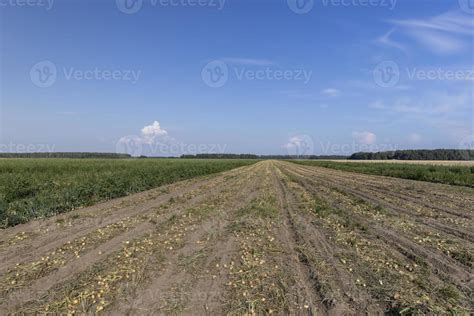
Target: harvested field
{"points": [[461, 174], [273, 237]]}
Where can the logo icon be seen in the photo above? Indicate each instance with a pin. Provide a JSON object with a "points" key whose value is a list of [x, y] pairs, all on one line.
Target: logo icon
{"points": [[467, 6], [131, 145], [129, 6], [300, 145], [387, 74], [43, 74], [215, 74], [300, 6]]}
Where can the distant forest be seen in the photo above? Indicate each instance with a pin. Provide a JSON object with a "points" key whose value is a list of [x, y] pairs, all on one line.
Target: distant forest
{"points": [[82, 155], [437, 154], [422, 154], [252, 156], [64, 155]]}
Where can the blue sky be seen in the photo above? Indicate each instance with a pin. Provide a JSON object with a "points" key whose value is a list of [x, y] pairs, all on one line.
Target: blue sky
{"points": [[313, 77]]}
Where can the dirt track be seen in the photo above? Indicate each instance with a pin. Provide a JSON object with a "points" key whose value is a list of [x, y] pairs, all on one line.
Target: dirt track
{"points": [[273, 237]]}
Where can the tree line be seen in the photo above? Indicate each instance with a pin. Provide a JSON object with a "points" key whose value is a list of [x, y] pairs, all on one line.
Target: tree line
{"points": [[252, 156], [65, 155], [436, 154]]}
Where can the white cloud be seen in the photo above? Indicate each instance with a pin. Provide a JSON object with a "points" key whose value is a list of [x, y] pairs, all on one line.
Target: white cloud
{"points": [[300, 145], [364, 138], [293, 142], [151, 132], [149, 135], [331, 92], [414, 138]]}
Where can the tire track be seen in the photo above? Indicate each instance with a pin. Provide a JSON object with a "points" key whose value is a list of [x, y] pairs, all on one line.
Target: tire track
{"points": [[90, 257], [422, 220], [448, 270], [149, 300], [309, 289], [339, 294]]}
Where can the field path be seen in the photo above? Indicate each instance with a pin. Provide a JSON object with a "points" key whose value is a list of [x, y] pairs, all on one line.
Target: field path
{"points": [[273, 237]]}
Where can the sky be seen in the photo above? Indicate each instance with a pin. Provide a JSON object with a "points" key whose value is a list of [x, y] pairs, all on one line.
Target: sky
{"points": [[168, 77]]}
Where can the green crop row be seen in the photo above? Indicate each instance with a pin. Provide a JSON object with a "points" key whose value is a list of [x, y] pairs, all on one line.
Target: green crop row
{"points": [[38, 188]]}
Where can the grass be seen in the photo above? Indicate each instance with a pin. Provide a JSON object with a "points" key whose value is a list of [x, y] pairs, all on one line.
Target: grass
{"points": [[38, 188], [454, 175]]}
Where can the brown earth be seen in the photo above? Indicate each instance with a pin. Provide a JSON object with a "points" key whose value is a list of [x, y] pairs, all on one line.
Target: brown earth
{"points": [[274, 237]]}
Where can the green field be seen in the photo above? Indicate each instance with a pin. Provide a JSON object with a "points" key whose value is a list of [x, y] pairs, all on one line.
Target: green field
{"points": [[454, 175], [36, 188]]}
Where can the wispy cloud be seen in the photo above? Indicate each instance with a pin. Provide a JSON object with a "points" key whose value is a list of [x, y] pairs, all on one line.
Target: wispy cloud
{"points": [[378, 105], [450, 113], [387, 40], [440, 43], [450, 22], [67, 113], [434, 104], [447, 33], [331, 92], [248, 61], [295, 94]]}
